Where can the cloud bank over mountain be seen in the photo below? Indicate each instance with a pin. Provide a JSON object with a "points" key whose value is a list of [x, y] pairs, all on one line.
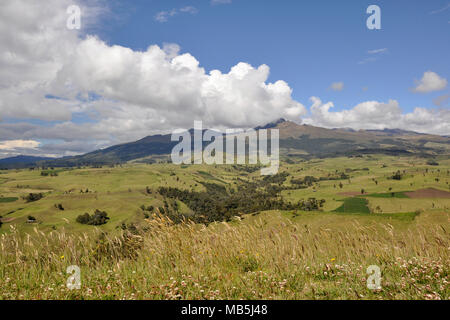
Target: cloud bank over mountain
{"points": [[379, 115], [77, 93]]}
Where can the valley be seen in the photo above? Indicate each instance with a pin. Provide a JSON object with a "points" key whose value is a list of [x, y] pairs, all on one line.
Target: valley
{"points": [[210, 232]]}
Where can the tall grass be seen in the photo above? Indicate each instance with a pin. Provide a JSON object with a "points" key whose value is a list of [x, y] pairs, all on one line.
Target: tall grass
{"points": [[282, 260]]}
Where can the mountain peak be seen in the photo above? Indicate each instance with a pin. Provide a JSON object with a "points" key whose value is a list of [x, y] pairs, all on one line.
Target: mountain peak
{"points": [[271, 124]]}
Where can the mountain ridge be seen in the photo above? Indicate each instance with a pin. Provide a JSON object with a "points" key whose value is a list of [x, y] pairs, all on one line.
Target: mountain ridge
{"points": [[300, 140]]}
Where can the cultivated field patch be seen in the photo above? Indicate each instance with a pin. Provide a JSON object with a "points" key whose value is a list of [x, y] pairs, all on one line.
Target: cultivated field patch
{"points": [[9, 199], [354, 205], [430, 193]]}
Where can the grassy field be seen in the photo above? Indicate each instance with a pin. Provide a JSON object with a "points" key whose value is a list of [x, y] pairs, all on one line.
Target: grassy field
{"points": [[367, 219]]}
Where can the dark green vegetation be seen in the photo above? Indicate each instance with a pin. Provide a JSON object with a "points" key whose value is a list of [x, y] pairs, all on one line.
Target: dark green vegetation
{"points": [[97, 219], [6, 200], [399, 195], [219, 204], [49, 173], [354, 205], [309, 232], [32, 197]]}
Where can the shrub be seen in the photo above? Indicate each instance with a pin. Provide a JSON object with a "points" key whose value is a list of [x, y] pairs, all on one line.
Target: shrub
{"points": [[84, 218]]}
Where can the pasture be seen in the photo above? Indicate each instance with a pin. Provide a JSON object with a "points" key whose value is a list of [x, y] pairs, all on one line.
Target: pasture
{"points": [[149, 249]]}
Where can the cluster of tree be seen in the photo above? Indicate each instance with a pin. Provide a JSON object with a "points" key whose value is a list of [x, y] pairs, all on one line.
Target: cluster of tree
{"points": [[147, 210], [217, 204], [171, 209], [246, 168], [341, 176], [33, 197], [59, 206], [305, 182], [47, 173], [308, 181], [312, 204], [278, 178], [432, 163], [97, 219]]}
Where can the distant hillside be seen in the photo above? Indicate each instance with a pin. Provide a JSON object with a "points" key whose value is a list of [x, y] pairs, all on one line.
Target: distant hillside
{"points": [[295, 140], [151, 145], [21, 161], [315, 141]]}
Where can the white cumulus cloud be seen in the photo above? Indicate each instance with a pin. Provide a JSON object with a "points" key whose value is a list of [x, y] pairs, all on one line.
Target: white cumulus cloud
{"points": [[379, 115], [139, 92], [430, 82], [18, 144], [48, 72]]}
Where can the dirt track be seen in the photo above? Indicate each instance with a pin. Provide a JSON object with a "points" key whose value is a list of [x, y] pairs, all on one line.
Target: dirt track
{"points": [[350, 194]]}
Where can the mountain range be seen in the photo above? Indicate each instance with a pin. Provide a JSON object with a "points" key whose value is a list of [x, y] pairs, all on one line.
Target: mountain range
{"points": [[295, 141]]}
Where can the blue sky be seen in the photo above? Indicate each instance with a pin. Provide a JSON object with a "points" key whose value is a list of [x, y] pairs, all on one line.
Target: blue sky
{"points": [[141, 67], [309, 44]]}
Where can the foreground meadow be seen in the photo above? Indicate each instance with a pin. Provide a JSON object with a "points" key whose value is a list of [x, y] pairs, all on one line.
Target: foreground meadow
{"points": [[264, 257], [153, 247]]}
